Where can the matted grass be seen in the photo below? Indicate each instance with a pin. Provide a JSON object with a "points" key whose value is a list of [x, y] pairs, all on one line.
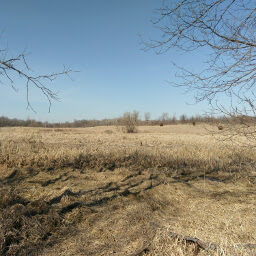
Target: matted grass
{"points": [[110, 193]]}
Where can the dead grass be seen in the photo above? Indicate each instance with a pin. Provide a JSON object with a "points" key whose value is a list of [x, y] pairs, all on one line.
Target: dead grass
{"points": [[96, 191], [25, 226]]}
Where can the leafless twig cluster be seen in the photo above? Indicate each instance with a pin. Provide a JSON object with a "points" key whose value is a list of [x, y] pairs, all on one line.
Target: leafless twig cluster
{"points": [[11, 66], [226, 30]]}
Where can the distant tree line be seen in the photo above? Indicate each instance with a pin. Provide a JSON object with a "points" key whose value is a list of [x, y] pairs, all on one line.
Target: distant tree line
{"points": [[14, 122], [164, 119]]}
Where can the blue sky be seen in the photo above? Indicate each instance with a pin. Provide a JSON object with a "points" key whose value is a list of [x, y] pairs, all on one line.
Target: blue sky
{"points": [[100, 39]]}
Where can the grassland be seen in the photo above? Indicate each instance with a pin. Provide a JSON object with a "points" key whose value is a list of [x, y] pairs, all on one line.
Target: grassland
{"points": [[98, 191]]}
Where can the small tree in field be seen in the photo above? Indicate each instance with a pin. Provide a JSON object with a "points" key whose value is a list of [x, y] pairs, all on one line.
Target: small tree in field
{"points": [[129, 121], [183, 118], [164, 117], [174, 119], [147, 116]]}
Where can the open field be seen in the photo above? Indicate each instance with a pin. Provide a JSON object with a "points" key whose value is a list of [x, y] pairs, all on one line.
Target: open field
{"points": [[98, 191]]}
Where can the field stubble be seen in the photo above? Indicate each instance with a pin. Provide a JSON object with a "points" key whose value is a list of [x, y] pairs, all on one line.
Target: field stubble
{"points": [[97, 191]]}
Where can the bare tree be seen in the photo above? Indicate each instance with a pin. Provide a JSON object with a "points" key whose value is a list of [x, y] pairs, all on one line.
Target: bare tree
{"points": [[183, 118], [17, 65], [135, 115], [226, 30], [173, 119], [147, 116], [164, 117]]}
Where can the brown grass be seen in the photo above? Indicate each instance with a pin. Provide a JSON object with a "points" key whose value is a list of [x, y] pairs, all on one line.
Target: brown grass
{"points": [[97, 191]]}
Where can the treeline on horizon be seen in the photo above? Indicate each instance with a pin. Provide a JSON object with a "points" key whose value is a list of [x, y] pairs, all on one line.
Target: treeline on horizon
{"points": [[162, 120]]}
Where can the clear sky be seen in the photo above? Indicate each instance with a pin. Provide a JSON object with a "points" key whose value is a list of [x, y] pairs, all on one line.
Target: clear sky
{"points": [[100, 39]]}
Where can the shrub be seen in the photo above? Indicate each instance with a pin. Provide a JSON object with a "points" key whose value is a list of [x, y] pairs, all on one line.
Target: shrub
{"points": [[129, 122], [220, 127]]}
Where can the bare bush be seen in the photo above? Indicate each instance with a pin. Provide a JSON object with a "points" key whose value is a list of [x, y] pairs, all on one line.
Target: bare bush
{"points": [[220, 127], [129, 121]]}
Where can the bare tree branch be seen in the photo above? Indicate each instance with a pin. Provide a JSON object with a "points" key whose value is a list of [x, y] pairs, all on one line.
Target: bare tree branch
{"points": [[226, 29], [18, 65]]}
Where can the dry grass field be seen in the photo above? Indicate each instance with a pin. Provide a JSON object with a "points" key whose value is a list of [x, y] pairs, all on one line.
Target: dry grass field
{"points": [[98, 191]]}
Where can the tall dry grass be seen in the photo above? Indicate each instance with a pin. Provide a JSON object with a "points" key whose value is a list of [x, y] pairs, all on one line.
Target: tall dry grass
{"points": [[97, 191], [175, 146]]}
